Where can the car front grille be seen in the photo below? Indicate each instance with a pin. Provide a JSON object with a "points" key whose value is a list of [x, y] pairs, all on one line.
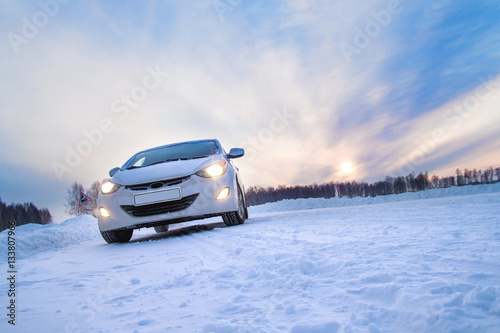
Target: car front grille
{"points": [[161, 208], [166, 182]]}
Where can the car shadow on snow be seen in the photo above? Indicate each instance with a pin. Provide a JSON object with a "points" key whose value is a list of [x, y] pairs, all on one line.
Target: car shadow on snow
{"points": [[183, 231]]}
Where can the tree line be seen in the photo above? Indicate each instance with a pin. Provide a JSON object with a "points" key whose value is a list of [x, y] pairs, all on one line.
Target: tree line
{"points": [[28, 213], [257, 195], [23, 214]]}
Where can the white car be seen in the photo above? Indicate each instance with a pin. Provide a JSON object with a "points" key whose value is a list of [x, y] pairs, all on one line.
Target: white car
{"points": [[171, 184]]}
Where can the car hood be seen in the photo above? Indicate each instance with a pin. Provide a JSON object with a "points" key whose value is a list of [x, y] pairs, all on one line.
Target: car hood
{"points": [[167, 170]]}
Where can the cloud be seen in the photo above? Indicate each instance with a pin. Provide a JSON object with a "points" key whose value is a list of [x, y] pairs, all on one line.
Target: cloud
{"points": [[228, 78], [471, 119]]}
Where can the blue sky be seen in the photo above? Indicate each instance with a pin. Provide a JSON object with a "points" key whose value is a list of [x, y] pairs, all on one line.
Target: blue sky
{"points": [[421, 93]]}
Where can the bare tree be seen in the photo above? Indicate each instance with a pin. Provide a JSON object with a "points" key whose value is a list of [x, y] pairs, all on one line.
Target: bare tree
{"points": [[475, 175], [92, 192], [435, 181], [488, 175], [460, 177], [73, 200], [467, 176]]}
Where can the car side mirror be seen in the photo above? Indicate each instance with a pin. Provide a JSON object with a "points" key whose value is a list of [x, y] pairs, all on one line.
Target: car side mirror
{"points": [[236, 153], [113, 171]]}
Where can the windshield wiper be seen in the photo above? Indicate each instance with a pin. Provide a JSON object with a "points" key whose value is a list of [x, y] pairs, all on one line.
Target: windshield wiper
{"points": [[195, 157], [165, 161], [143, 166]]}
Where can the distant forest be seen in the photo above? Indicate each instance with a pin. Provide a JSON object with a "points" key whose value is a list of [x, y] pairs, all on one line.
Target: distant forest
{"points": [[23, 214], [258, 195]]}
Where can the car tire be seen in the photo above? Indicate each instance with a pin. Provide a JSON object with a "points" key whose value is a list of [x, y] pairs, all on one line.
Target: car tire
{"points": [[237, 217], [161, 228], [117, 236]]}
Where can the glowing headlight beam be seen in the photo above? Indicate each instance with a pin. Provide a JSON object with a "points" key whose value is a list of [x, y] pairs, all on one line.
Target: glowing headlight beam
{"points": [[108, 186], [103, 212], [214, 170], [223, 193]]}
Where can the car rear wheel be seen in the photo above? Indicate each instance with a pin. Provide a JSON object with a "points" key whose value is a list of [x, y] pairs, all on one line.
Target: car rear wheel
{"points": [[161, 228], [117, 236], [237, 217]]}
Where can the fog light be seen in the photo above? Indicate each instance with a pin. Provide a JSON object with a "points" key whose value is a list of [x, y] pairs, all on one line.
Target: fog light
{"points": [[223, 193], [104, 212]]}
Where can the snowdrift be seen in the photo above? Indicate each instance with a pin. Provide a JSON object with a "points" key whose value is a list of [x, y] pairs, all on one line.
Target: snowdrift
{"points": [[35, 238]]}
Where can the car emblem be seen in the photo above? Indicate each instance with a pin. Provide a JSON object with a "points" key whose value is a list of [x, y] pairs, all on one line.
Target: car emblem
{"points": [[156, 185]]}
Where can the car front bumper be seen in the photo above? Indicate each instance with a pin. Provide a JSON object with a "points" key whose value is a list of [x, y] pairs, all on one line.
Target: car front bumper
{"points": [[198, 200]]}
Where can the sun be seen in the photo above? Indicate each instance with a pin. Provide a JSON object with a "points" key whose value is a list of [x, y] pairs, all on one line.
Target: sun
{"points": [[347, 167]]}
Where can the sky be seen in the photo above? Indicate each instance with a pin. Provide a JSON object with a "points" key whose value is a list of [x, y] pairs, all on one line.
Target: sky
{"points": [[314, 91]]}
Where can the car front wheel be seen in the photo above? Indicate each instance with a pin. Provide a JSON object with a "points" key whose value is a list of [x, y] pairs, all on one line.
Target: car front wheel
{"points": [[117, 236], [237, 217]]}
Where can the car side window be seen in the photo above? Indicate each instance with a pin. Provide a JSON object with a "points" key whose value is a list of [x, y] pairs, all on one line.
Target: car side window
{"points": [[140, 162]]}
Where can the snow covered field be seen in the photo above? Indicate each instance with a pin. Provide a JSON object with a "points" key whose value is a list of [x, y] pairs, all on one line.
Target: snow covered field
{"points": [[418, 262]]}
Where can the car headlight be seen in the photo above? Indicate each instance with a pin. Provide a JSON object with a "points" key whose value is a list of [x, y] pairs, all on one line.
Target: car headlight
{"points": [[104, 212], [214, 170], [107, 186]]}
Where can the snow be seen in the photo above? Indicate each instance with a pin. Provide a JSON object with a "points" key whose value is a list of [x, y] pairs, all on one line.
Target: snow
{"points": [[418, 262], [35, 238]]}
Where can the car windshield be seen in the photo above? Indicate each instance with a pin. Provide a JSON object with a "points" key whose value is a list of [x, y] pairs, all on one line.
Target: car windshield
{"points": [[181, 151]]}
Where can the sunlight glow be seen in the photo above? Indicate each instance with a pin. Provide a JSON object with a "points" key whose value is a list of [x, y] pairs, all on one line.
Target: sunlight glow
{"points": [[347, 167]]}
